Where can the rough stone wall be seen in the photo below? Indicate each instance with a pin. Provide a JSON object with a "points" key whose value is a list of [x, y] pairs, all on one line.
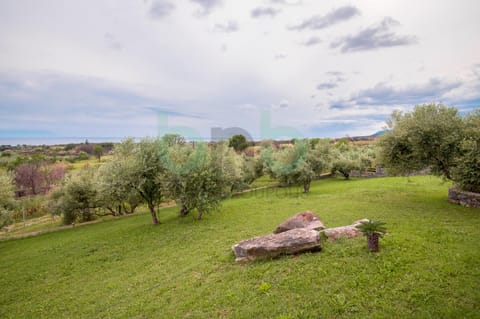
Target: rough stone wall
{"points": [[463, 198]]}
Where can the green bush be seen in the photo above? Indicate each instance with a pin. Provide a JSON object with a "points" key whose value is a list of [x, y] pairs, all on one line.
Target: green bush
{"points": [[436, 137], [77, 200]]}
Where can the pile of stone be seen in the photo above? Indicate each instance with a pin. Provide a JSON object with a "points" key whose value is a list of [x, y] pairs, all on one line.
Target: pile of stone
{"points": [[300, 233]]}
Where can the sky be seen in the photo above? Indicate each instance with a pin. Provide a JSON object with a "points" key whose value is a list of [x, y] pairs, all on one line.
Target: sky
{"points": [[209, 68]]}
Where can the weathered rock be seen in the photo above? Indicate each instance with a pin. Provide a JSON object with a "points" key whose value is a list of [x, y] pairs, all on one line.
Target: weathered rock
{"points": [[290, 242], [349, 231], [306, 219], [464, 198]]}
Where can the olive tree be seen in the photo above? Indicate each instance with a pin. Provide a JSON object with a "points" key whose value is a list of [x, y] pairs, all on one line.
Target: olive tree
{"points": [[434, 136], [98, 151], [117, 195], [77, 200], [238, 142], [466, 172], [6, 198], [429, 136], [195, 177], [347, 158], [298, 164], [199, 176], [146, 173]]}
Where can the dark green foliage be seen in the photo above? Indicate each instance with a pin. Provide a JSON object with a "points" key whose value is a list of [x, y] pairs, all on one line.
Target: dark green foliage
{"points": [[298, 164], [147, 172], [347, 158], [372, 227], [77, 200], [466, 173], [372, 230], [436, 137], [173, 139], [429, 136], [238, 142], [7, 202], [82, 156], [98, 151], [198, 177]]}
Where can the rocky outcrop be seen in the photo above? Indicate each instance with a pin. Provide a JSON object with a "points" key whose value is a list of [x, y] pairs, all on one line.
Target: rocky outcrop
{"points": [[288, 242], [464, 198], [349, 231], [306, 219]]}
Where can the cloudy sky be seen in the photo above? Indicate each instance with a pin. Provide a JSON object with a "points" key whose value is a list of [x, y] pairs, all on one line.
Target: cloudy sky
{"points": [[275, 68]]}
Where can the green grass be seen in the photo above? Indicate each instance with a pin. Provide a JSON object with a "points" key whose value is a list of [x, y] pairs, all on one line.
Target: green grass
{"points": [[263, 181], [92, 161], [428, 266]]}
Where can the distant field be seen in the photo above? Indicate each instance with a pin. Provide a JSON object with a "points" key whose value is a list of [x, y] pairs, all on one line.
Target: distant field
{"points": [[90, 162], [127, 268]]}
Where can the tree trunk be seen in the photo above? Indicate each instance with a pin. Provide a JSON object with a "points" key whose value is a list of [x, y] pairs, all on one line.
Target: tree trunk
{"points": [[151, 207], [306, 186], [184, 211], [372, 242]]}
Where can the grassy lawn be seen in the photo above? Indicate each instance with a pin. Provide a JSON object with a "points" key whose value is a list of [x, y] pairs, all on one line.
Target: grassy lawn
{"points": [[428, 266]]}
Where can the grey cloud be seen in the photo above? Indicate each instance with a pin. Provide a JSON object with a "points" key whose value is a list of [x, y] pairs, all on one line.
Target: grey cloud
{"points": [[340, 106], [336, 77], [381, 93], [280, 56], [112, 42], [230, 26], [207, 6], [374, 37], [283, 104], [327, 85], [434, 90], [264, 11], [160, 9], [287, 2], [334, 73], [476, 70], [333, 17], [312, 41]]}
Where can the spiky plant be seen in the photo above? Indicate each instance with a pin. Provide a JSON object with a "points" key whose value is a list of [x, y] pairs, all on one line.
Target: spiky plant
{"points": [[373, 230]]}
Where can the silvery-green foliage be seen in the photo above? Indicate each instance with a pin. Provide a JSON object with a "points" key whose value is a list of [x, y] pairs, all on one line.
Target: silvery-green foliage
{"points": [[7, 201]]}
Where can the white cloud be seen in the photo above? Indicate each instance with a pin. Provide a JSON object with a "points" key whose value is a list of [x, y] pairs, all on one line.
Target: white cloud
{"points": [[134, 57]]}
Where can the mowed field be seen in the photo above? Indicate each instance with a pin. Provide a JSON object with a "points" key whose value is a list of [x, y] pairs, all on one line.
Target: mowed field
{"points": [[428, 266]]}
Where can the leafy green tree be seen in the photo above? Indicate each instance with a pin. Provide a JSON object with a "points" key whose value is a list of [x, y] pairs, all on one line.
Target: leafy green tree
{"points": [[345, 165], [146, 173], [82, 156], [298, 164], [98, 151], [466, 172], [77, 199], [231, 168], [348, 158], [196, 178], [437, 137], [430, 136], [6, 198], [238, 142], [114, 187], [173, 139]]}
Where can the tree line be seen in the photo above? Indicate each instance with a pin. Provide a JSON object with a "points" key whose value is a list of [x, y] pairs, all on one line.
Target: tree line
{"points": [[197, 175]]}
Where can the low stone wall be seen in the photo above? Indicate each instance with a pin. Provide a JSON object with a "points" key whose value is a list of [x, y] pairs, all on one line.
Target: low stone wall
{"points": [[463, 198]]}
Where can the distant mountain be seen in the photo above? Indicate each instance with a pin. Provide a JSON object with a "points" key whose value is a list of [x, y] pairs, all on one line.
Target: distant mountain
{"points": [[380, 133]]}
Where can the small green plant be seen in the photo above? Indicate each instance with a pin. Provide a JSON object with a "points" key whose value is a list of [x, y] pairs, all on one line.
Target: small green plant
{"points": [[264, 287], [373, 230]]}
